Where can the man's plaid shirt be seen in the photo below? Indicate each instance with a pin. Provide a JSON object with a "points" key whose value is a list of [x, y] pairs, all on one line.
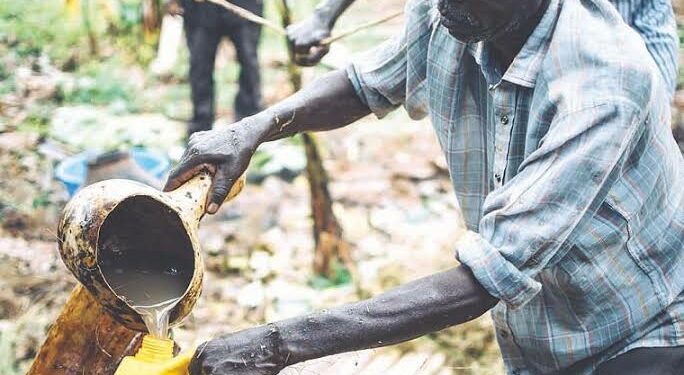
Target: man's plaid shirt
{"points": [[565, 167]]}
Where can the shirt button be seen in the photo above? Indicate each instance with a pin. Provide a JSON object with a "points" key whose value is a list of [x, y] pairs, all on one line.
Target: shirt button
{"points": [[504, 120], [503, 334], [497, 177], [534, 260]]}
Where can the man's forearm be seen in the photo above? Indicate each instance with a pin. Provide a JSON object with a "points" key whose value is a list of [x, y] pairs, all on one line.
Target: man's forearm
{"points": [[327, 103], [426, 305], [330, 10]]}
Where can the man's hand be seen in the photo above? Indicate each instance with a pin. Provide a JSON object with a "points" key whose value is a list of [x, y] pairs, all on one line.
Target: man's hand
{"points": [[173, 7], [254, 351], [408, 311], [224, 152], [328, 103], [305, 38]]}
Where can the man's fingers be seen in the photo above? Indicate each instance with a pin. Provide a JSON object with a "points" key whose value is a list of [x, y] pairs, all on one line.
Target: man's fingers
{"points": [[313, 58], [221, 184], [299, 44], [195, 365], [302, 60], [303, 49], [317, 54], [183, 173]]}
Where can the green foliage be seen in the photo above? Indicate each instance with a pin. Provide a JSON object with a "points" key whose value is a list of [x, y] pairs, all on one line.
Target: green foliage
{"points": [[126, 32], [7, 84], [260, 159], [4, 73], [38, 120], [341, 276], [33, 27], [7, 362], [41, 200], [101, 84]]}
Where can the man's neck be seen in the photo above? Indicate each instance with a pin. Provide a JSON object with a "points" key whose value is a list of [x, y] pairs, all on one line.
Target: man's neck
{"points": [[508, 45]]}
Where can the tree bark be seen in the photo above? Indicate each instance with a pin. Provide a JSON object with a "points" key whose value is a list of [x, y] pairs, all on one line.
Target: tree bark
{"points": [[151, 19], [331, 247], [87, 14], [85, 339]]}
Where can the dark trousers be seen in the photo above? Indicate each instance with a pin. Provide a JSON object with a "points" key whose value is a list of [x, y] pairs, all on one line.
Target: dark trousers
{"points": [[646, 361], [205, 25]]}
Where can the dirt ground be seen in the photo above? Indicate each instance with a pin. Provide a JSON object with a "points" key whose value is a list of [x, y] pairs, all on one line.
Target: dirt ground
{"points": [[388, 180]]}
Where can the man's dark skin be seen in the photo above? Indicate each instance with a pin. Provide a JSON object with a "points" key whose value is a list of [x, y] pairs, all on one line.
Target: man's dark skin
{"points": [[306, 36], [403, 313]]}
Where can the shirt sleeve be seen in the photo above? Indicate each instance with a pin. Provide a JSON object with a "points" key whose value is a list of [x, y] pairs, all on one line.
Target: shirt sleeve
{"points": [[528, 222], [658, 27], [393, 74], [655, 21]]}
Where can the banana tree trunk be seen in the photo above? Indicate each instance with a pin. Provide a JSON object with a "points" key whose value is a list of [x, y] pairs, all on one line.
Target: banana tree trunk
{"points": [[85, 339], [151, 19], [331, 247]]}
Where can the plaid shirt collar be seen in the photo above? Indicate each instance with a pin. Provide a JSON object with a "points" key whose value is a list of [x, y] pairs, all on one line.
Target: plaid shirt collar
{"points": [[526, 65]]}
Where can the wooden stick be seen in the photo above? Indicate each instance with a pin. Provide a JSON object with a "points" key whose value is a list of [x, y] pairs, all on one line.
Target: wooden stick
{"points": [[329, 40], [244, 13]]}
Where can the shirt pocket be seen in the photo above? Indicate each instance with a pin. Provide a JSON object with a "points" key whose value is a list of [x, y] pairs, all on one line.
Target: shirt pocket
{"points": [[600, 275], [653, 226], [628, 215]]}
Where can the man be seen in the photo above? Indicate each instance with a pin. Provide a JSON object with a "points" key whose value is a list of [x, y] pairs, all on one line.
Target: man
{"points": [[555, 124], [205, 25], [653, 19]]}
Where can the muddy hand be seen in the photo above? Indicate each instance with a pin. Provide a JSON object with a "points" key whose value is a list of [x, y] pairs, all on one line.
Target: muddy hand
{"points": [[254, 351], [224, 152], [173, 7], [305, 39]]}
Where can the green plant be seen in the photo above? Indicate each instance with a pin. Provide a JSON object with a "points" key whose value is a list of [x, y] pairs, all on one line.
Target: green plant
{"points": [[34, 27], [7, 362], [38, 120], [7, 85], [101, 84], [340, 276]]}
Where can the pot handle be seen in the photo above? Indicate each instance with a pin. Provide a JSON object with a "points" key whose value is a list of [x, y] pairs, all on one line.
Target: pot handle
{"points": [[192, 196]]}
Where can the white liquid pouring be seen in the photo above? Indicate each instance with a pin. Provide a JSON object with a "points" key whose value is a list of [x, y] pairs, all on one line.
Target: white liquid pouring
{"points": [[151, 288]]}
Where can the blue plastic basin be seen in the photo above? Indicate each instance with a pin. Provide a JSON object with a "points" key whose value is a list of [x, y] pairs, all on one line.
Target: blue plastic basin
{"points": [[72, 171]]}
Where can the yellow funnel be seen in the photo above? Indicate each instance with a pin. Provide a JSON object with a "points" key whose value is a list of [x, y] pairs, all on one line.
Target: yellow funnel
{"points": [[155, 357]]}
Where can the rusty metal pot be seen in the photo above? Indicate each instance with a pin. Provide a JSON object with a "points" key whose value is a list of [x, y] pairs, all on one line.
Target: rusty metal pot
{"points": [[171, 219]]}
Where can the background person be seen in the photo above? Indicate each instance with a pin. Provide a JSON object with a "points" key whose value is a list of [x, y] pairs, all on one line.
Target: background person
{"points": [[205, 25]]}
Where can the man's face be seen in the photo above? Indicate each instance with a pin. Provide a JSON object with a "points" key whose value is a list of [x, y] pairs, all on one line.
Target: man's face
{"points": [[483, 20]]}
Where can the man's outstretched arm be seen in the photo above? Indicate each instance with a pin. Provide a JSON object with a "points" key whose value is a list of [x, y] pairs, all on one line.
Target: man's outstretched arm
{"points": [[327, 103], [403, 313], [306, 36]]}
